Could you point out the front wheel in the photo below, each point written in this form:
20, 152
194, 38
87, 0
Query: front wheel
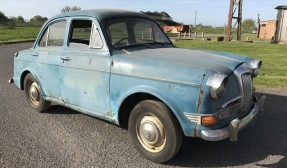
155, 132
34, 94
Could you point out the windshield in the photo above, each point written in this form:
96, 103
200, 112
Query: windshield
130, 32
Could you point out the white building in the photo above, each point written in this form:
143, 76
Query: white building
281, 28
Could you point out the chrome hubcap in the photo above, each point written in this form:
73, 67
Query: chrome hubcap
34, 93
151, 133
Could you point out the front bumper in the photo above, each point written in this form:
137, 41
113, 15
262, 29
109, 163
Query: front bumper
235, 125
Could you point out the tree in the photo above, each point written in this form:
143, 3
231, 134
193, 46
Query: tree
20, 19
38, 18
3, 18
69, 9
248, 25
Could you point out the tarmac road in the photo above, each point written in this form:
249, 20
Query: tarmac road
65, 138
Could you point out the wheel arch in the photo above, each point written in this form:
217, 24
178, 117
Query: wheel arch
132, 100
22, 78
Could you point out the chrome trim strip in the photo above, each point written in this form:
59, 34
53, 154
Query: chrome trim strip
196, 118
164, 80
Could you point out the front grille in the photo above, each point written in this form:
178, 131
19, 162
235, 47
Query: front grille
234, 108
247, 90
243, 74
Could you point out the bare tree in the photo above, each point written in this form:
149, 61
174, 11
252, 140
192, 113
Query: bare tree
69, 9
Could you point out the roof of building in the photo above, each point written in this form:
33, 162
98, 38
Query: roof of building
101, 14
281, 7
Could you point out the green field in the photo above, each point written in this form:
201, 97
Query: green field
18, 33
274, 70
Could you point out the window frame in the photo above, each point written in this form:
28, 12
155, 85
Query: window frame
93, 28
47, 28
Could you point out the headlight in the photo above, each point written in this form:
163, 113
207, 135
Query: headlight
255, 65
217, 85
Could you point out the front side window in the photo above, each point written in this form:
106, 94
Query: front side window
128, 32
54, 35
84, 34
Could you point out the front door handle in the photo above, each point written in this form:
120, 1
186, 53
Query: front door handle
65, 59
34, 54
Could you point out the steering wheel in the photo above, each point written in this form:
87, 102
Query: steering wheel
120, 40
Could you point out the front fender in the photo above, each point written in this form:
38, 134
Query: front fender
179, 98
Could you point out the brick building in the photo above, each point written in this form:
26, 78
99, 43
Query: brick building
267, 29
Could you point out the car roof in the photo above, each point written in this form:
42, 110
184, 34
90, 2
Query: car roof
102, 14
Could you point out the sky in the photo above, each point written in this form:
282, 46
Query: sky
209, 12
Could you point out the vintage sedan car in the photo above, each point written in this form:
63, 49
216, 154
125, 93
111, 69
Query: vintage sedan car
120, 66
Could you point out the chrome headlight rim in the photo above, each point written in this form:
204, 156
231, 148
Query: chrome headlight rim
255, 65
217, 84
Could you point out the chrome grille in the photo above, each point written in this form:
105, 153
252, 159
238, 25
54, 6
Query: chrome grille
234, 108
243, 74
247, 90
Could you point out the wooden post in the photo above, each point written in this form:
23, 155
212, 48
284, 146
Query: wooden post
229, 26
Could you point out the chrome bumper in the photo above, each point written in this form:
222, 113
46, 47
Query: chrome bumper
235, 125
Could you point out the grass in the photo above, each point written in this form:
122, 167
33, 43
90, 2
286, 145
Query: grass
274, 70
18, 33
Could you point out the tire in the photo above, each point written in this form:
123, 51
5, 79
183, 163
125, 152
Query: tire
155, 132
34, 94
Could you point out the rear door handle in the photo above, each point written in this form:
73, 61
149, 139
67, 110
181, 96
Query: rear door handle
65, 59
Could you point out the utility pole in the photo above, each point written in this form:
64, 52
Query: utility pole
195, 18
258, 23
235, 6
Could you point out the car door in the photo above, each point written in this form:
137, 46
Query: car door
47, 54
85, 69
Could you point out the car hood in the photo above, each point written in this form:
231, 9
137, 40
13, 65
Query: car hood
176, 64
203, 59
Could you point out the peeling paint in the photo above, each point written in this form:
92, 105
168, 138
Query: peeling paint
108, 114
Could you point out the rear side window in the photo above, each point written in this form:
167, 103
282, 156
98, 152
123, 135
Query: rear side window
54, 35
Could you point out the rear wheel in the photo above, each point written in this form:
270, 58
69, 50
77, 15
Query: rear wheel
155, 132
34, 94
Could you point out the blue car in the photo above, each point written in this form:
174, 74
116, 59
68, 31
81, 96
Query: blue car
119, 66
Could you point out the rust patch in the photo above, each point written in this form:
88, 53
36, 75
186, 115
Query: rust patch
109, 114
